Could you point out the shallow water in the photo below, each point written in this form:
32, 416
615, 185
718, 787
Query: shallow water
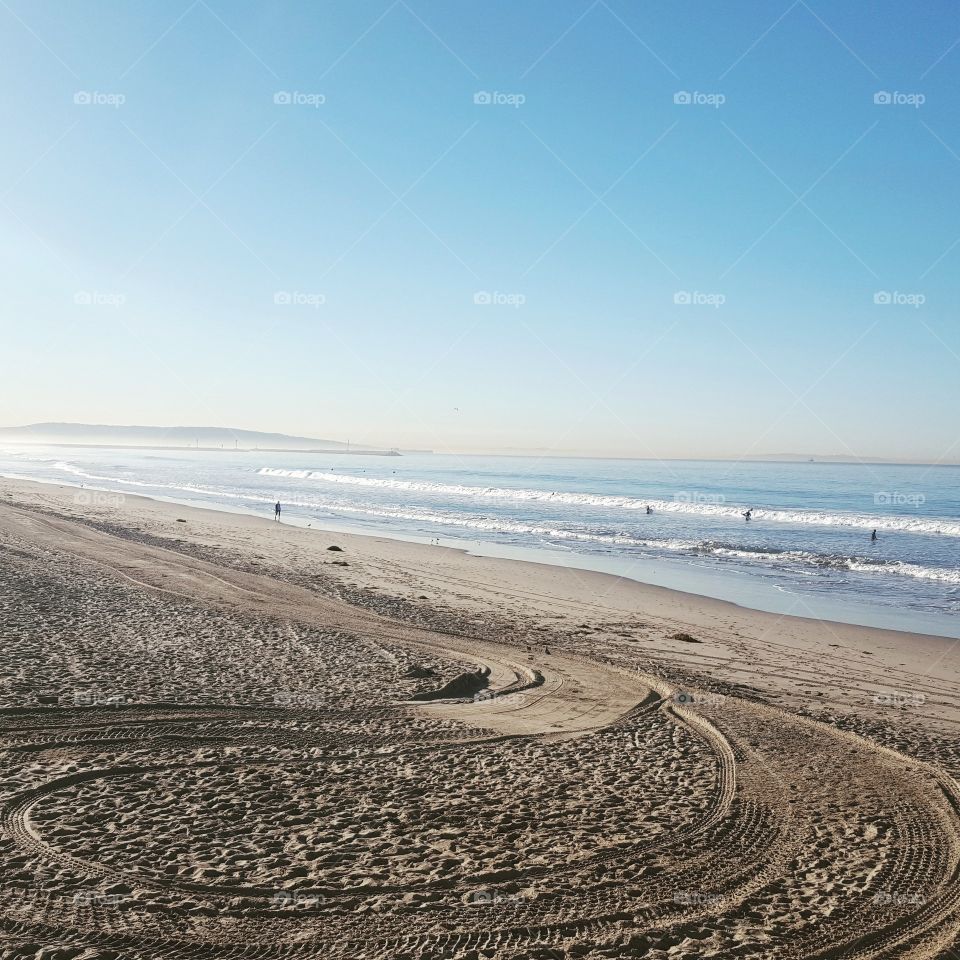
807, 548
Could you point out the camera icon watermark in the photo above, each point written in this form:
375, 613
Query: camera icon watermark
495, 98
886, 98
487, 298
296, 98
697, 298
898, 299
295, 298
697, 98
96, 98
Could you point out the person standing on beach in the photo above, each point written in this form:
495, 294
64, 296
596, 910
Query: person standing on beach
276, 511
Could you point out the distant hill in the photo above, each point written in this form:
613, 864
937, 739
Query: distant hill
134, 436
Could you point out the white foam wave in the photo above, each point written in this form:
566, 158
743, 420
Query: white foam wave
93, 478
856, 564
786, 557
688, 505
77, 472
901, 568
558, 536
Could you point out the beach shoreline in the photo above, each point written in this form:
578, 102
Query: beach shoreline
806, 551
744, 590
531, 589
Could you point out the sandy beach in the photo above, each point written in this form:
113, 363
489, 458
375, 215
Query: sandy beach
223, 737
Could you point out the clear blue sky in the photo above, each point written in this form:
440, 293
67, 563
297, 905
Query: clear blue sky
187, 213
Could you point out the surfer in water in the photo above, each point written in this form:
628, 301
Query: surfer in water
649, 509
747, 515
873, 536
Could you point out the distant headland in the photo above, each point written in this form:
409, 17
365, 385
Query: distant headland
179, 438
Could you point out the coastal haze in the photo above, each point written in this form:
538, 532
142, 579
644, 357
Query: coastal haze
479, 483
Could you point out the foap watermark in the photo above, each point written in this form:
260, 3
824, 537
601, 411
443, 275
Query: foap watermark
895, 98
99, 298
297, 98
899, 698
99, 698
95, 498
96, 898
697, 98
897, 498
887, 899
97, 98
496, 98
500, 699
491, 898
897, 298
298, 700
698, 496
494, 298
697, 298
688, 698
695, 898
296, 898
296, 298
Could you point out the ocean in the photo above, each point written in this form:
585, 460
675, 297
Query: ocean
806, 550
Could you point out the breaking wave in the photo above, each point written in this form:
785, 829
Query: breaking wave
682, 503
678, 546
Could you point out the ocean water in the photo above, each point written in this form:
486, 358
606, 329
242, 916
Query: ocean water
806, 550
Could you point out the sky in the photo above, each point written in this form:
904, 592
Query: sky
672, 229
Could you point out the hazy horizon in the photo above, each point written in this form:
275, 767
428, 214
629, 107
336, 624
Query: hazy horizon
684, 231
335, 442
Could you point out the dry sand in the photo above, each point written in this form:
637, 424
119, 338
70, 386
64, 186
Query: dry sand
211, 747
